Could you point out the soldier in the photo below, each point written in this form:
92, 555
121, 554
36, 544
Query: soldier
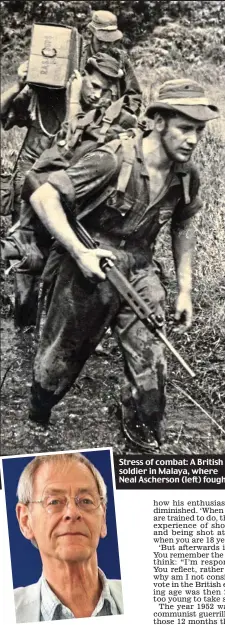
41, 111
162, 184
88, 102
105, 37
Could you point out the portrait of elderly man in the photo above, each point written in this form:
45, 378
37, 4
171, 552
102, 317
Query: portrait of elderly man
61, 509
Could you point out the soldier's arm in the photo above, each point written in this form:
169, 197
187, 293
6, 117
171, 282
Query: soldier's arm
9, 95
132, 88
73, 95
7, 98
65, 188
183, 242
46, 203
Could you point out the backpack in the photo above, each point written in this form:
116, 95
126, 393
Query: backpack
116, 118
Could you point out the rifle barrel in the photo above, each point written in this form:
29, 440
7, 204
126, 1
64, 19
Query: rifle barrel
175, 352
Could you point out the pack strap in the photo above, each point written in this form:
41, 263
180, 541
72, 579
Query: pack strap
186, 187
112, 112
79, 127
128, 156
128, 148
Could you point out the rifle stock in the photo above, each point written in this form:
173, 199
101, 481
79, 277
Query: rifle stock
128, 293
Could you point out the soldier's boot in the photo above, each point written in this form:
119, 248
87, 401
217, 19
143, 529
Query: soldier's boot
143, 431
40, 405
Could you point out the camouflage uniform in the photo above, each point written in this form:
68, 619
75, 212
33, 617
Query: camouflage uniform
80, 311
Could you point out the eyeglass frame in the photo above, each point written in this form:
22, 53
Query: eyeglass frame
76, 499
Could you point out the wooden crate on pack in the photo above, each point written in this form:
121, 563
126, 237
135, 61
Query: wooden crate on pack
54, 53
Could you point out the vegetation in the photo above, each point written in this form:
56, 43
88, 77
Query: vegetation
180, 39
204, 22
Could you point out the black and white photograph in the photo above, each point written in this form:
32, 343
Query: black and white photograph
112, 226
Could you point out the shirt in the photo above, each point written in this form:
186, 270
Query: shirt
132, 217
49, 109
52, 609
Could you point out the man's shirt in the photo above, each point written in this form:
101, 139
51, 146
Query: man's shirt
52, 609
133, 216
49, 109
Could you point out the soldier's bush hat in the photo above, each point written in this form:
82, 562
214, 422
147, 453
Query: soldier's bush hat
104, 26
106, 64
184, 96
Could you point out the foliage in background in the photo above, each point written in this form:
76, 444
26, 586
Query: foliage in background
137, 19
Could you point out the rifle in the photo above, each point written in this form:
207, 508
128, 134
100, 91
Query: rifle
128, 293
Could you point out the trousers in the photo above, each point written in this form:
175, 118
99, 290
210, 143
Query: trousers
77, 317
26, 286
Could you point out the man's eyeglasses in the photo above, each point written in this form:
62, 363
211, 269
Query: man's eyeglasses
52, 503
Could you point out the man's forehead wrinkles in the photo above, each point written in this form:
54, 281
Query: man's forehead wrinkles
54, 490
49, 479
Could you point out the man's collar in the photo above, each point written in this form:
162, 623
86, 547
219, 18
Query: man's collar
50, 603
105, 594
182, 168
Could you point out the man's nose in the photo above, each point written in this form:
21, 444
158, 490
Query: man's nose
96, 95
192, 138
71, 508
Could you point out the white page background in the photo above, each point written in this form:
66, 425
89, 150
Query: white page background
134, 513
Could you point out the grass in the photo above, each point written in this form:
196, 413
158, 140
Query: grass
203, 346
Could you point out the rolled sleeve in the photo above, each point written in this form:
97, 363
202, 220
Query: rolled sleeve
62, 183
86, 177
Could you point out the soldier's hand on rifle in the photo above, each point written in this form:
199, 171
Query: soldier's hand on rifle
183, 312
22, 74
89, 262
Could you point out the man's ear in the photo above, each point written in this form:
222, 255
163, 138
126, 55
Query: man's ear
23, 517
103, 532
159, 122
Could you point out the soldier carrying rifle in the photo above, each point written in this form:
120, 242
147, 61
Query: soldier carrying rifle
122, 202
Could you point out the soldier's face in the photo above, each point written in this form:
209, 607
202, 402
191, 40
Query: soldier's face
93, 89
180, 136
100, 46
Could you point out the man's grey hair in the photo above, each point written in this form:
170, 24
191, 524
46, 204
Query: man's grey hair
26, 481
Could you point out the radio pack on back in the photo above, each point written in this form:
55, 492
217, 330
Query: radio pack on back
54, 53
